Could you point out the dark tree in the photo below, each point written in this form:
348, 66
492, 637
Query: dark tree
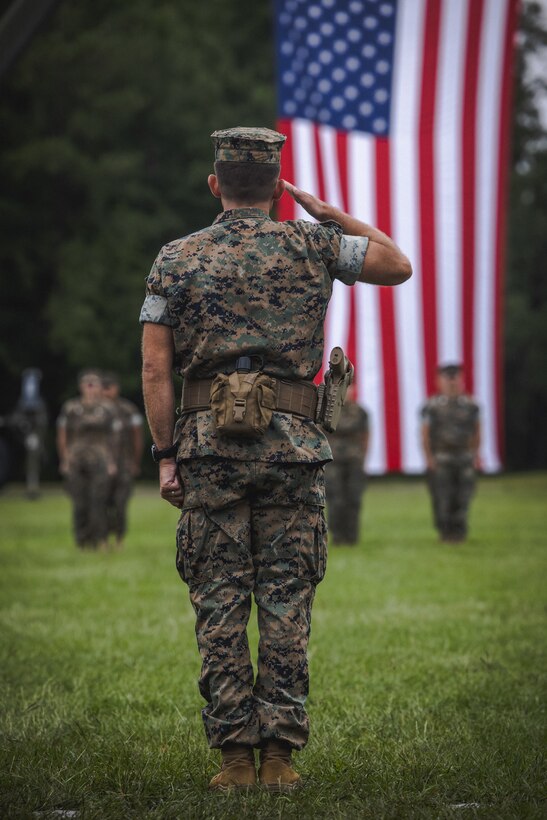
526, 293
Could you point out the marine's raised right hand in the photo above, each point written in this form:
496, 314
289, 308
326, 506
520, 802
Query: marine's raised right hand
312, 204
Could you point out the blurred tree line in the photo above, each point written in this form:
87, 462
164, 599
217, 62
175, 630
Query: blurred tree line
104, 157
526, 282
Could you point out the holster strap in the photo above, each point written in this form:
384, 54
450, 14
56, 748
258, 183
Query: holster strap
297, 397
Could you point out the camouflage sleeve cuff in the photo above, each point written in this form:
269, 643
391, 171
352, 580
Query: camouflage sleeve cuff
351, 257
155, 309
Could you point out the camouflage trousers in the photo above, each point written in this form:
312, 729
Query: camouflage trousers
252, 528
345, 484
451, 484
121, 487
87, 485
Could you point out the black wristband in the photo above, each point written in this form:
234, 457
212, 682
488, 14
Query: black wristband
169, 452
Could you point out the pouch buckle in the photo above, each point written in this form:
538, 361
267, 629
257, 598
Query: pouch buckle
240, 406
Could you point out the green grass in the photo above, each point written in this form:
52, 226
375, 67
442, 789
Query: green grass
427, 668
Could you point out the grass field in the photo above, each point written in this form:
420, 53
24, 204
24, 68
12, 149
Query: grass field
428, 668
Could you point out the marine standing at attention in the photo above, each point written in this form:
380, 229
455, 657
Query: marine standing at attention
237, 309
86, 444
128, 456
345, 477
451, 440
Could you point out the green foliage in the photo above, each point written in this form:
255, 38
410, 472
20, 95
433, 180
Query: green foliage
427, 668
526, 296
105, 119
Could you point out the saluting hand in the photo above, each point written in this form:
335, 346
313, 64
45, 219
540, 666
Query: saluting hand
312, 204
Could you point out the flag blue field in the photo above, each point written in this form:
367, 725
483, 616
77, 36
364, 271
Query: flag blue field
398, 111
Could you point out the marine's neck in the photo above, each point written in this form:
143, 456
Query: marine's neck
229, 205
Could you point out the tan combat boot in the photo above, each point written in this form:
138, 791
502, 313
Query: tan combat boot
237, 770
276, 773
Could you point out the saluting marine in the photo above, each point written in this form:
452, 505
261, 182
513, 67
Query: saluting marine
451, 441
86, 442
237, 309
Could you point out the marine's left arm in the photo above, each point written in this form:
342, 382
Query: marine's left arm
364, 444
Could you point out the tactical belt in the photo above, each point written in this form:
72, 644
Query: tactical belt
297, 397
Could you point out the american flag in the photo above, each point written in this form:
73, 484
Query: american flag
398, 112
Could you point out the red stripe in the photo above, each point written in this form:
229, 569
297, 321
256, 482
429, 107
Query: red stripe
427, 190
387, 316
469, 165
318, 164
342, 154
501, 215
286, 207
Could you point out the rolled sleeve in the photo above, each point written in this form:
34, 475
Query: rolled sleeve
155, 307
352, 254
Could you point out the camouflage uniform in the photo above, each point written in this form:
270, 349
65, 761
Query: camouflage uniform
345, 476
253, 515
452, 424
91, 437
128, 417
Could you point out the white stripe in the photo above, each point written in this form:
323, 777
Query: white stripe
448, 175
327, 140
337, 322
304, 162
362, 204
371, 375
406, 227
488, 146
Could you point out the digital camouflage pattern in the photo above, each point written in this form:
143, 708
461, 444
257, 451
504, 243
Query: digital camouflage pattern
345, 476
452, 425
245, 528
260, 145
253, 519
250, 286
91, 439
128, 417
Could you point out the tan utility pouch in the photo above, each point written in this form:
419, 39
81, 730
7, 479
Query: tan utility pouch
243, 403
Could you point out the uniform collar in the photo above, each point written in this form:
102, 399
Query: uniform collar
241, 213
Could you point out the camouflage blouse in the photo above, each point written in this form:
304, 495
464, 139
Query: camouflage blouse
248, 285
90, 428
452, 423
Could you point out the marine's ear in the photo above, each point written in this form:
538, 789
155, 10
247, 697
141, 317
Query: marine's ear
278, 190
212, 182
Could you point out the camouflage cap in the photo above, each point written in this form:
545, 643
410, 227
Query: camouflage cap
248, 145
451, 369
